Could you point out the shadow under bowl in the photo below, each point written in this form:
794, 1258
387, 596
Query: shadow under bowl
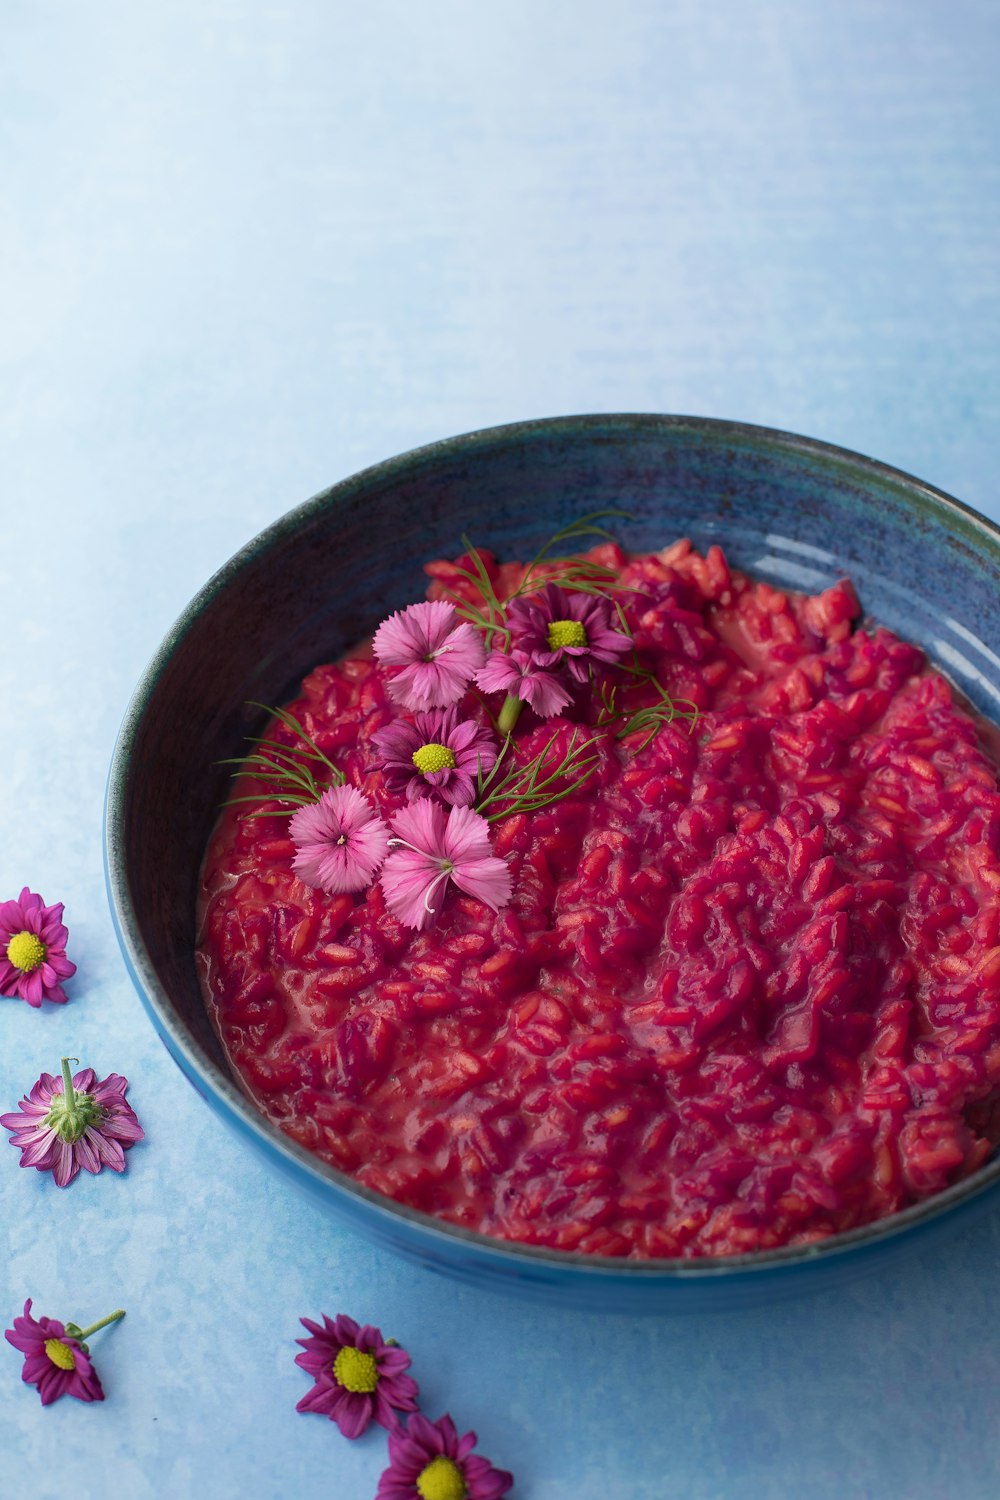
798, 513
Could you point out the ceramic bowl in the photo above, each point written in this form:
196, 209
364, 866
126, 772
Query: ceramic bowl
794, 511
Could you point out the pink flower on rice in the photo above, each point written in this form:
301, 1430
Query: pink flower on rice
566, 628
436, 652
359, 1378
340, 841
54, 1361
519, 676
430, 1459
430, 848
438, 755
33, 958
85, 1123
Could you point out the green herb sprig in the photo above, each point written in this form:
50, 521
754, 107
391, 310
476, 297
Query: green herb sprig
523, 789
287, 770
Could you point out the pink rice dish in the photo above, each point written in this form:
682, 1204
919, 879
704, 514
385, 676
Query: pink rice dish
746, 992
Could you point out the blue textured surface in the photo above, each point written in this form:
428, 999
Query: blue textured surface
249, 248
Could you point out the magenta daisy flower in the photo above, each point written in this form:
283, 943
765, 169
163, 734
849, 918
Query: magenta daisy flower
429, 1461
56, 1359
340, 841
359, 1377
519, 676
33, 950
436, 652
430, 848
85, 1123
438, 755
566, 628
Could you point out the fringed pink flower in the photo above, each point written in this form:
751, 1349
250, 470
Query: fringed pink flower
438, 755
566, 628
78, 1121
519, 676
431, 848
429, 1459
33, 958
56, 1359
340, 841
436, 653
359, 1377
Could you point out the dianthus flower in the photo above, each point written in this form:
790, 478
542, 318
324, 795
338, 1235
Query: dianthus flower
33, 949
437, 653
86, 1123
566, 628
56, 1359
340, 841
438, 755
429, 1461
359, 1377
519, 676
429, 849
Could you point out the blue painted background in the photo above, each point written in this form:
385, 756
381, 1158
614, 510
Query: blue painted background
247, 248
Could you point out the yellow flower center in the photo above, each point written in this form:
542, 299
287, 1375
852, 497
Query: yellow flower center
441, 1480
433, 757
566, 633
26, 951
355, 1371
60, 1354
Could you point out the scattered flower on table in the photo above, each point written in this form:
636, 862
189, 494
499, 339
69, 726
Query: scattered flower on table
340, 841
430, 848
437, 654
84, 1123
565, 628
56, 1358
33, 959
429, 1461
438, 755
359, 1376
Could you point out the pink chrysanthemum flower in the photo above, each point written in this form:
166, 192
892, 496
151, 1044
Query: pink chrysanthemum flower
436, 652
359, 1377
438, 755
519, 676
340, 841
56, 1360
85, 1123
566, 628
429, 849
429, 1461
33, 950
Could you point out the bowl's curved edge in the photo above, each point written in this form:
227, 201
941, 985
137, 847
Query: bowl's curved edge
450, 1248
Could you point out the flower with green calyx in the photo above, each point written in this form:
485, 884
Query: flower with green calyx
359, 1377
56, 1356
86, 1122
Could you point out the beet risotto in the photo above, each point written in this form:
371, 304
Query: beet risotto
688, 945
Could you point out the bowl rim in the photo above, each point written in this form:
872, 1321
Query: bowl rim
227, 1097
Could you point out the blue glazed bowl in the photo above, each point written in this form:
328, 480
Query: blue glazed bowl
796, 512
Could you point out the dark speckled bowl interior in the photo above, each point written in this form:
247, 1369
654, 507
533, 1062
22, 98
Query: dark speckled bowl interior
794, 511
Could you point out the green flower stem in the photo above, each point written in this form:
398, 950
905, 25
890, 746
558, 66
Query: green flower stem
509, 714
111, 1318
69, 1093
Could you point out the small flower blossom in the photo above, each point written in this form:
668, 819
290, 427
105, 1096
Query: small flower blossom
519, 676
438, 755
429, 1461
431, 848
437, 653
566, 628
56, 1359
359, 1377
340, 841
85, 1123
33, 950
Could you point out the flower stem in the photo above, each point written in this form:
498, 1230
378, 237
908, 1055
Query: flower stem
509, 713
111, 1318
69, 1093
